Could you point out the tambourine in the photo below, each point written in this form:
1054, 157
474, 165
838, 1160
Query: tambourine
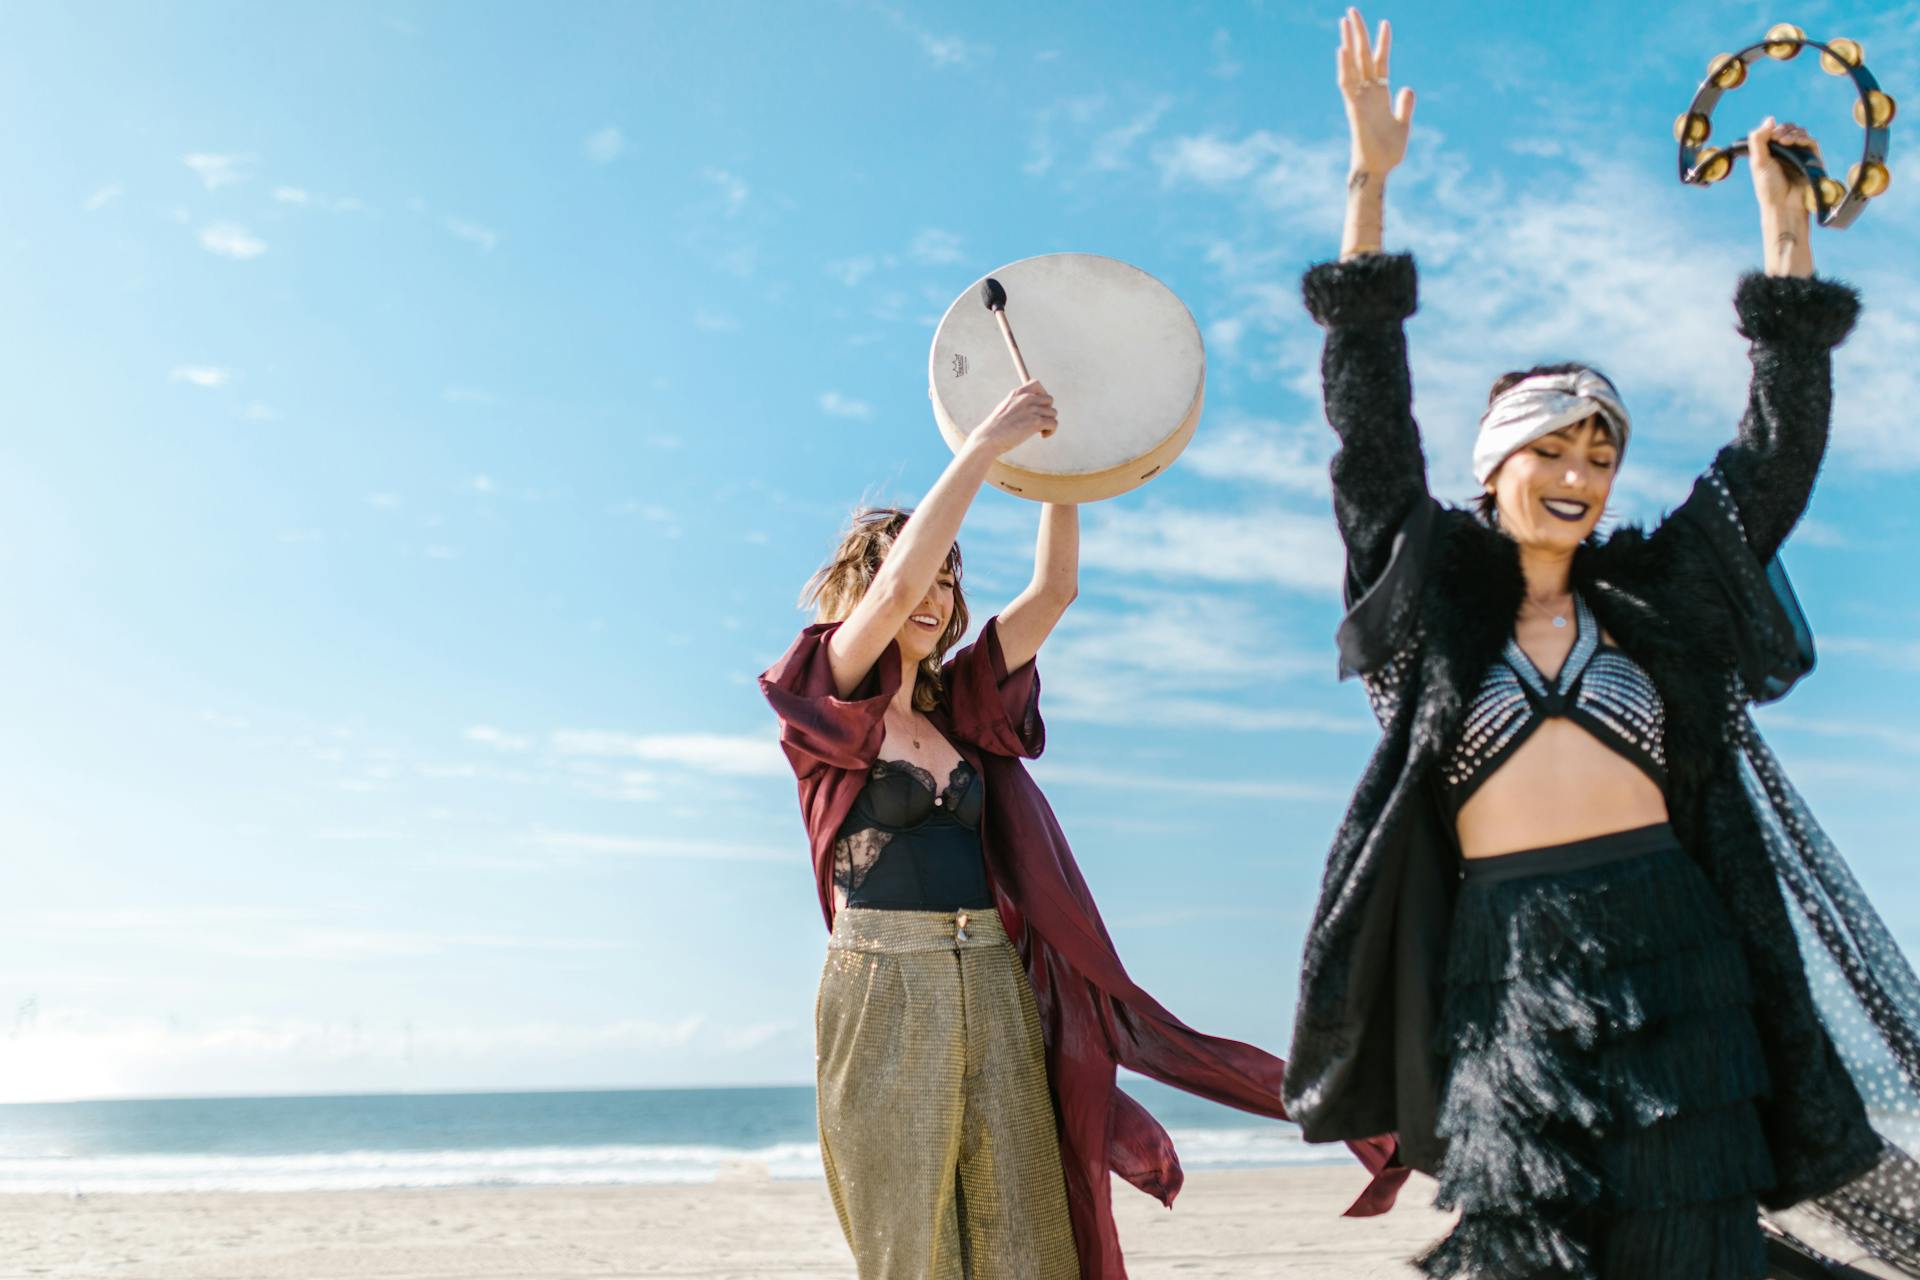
1117, 350
1834, 204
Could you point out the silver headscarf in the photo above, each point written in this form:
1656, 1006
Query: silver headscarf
1539, 406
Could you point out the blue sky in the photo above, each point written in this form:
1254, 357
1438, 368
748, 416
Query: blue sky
419, 421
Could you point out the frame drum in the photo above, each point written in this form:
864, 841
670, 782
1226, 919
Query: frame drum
1119, 353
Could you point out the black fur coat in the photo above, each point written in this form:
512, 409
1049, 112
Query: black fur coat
1434, 594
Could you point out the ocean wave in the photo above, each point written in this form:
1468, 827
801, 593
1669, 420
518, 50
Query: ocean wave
1251, 1148
534, 1166
370, 1170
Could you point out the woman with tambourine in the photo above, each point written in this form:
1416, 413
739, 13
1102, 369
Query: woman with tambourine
972, 1010
1551, 951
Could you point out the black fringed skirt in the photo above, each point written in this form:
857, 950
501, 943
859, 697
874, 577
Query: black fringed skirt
1603, 1068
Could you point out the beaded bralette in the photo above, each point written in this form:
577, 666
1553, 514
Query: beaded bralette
1598, 687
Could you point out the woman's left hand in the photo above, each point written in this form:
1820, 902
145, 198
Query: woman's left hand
1785, 218
1778, 187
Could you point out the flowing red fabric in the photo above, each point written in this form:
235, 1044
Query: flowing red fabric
1093, 1015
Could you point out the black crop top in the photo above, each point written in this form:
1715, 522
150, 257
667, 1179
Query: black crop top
1599, 688
907, 846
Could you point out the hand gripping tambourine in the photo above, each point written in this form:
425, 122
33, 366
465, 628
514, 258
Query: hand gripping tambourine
1118, 352
1835, 205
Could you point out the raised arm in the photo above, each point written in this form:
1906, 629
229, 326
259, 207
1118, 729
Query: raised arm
908, 571
1793, 320
1379, 474
1029, 620
1377, 130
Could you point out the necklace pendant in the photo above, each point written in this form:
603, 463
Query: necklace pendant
1558, 621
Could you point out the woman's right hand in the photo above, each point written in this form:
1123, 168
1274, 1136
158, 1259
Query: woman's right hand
1377, 126
1026, 412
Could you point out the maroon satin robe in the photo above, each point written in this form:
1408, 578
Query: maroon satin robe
1092, 1014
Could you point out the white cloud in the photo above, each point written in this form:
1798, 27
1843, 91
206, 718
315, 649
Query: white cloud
1235, 715
733, 190
605, 145
200, 375
1900, 654
1210, 161
714, 320
666, 847
1264, 452
260, 411
1868, 731
942, 50
473, 233
840, 406
741, 261
498, 739
1224, 66
1272, 546
1177, 639
851, 271
732, 755
934, 247
384, 501
81, 1054
1114, 148
292, 195
949, 50
482, 484
277, 932
103, 197
1224, 788
1183, 657
216, 170
231, 240
467, 395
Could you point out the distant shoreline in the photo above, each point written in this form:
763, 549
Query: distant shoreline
557, 1138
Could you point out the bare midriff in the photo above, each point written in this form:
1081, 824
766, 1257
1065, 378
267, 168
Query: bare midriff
1561, 785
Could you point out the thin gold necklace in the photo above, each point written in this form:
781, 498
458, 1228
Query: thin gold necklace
912, 730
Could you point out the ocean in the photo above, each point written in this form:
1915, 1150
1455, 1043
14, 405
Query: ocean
585, 1138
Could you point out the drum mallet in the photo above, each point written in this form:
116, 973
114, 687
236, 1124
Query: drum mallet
995, 296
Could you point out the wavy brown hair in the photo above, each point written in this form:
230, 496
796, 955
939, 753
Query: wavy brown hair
840, 584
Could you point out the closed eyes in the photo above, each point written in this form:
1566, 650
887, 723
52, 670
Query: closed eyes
1605, 464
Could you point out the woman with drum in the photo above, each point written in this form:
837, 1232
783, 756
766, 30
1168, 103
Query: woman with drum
1551, 952
972, 1009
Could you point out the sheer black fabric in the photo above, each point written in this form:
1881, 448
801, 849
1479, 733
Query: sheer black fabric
1869, 1000
910, 845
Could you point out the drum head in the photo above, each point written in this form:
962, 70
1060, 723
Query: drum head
1119, 352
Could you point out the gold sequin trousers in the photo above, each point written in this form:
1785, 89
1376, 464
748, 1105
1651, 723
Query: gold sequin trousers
936, 1125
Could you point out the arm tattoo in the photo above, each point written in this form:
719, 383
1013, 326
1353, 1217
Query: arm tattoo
1357, 183
1785, 241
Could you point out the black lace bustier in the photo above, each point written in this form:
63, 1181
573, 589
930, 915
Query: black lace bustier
1599, 688
911, 846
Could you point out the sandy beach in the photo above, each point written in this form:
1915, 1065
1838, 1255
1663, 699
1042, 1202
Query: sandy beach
1270, 1222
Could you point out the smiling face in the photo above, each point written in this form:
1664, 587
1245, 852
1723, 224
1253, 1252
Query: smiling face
937, 622
921, 635
1551, 493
